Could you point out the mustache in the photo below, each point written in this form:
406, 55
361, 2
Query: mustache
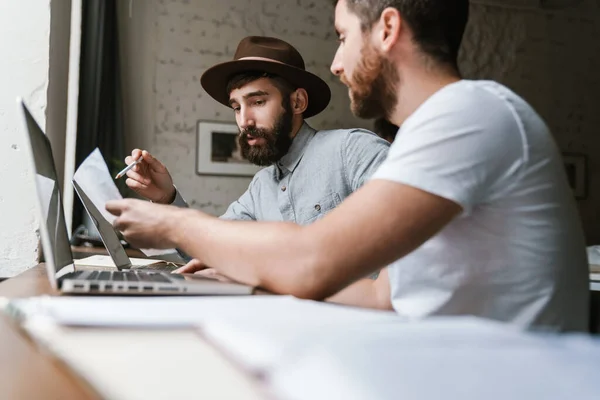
344, 80
254, 132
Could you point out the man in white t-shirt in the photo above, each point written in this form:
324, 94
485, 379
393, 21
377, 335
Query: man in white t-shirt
471, 211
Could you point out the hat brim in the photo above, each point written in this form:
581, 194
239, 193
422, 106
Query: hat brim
216, 78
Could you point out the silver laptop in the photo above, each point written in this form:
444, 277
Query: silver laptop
111, 240
57, 249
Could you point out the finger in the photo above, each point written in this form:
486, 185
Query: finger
136, 176
186, 269
135, 154
135, 185
153, 163
207, 272
116, 207
191, 267
130, 160
118, 225
213, 274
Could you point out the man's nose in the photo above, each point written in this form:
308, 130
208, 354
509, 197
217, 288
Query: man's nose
336, 64
246, 120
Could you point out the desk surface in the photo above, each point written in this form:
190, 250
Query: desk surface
27, 372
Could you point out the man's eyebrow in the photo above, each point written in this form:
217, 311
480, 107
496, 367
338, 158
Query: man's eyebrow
255, 94
249, 95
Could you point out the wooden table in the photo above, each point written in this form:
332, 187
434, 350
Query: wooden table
29, 372
25, 371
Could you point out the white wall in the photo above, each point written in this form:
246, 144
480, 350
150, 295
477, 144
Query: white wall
168, 44
25, 49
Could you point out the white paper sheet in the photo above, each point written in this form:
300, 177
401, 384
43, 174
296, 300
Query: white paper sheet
95, 180
442, 361
260, 345
188, 311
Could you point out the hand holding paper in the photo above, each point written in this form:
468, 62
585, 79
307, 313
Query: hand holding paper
145, 224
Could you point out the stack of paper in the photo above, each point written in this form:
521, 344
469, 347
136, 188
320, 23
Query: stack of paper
161, 312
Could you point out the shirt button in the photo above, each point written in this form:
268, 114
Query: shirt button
318, 207
283, 188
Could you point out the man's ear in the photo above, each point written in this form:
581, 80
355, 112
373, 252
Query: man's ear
388, 28
299, 101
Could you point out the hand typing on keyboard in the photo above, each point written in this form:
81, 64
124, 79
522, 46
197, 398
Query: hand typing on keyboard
213, 274
194, 265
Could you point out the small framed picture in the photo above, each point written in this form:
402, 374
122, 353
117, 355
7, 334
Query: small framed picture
575, 167
218, 151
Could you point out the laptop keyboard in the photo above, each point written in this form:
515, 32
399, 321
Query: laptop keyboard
161, 267
126, 276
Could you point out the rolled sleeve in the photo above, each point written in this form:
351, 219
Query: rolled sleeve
363, 153
179, 200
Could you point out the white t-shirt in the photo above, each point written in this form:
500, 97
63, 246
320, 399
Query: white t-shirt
517, 251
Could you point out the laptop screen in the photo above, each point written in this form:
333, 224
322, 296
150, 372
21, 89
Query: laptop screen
49, 195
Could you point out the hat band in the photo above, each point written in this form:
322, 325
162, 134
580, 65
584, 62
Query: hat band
261, 59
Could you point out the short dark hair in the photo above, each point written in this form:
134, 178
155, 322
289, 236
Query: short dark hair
244, 78
437, 25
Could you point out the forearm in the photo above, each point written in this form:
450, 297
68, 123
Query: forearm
361, 293
255, 253
366, 293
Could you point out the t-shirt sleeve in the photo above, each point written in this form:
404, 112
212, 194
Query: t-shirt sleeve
465, 150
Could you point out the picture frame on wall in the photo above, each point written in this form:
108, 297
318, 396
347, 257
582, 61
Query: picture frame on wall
218, 152
575, 167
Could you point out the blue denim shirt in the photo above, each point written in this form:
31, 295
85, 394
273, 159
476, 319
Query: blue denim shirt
319, 171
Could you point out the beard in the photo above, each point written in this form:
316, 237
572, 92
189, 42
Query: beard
277, 140
373, 88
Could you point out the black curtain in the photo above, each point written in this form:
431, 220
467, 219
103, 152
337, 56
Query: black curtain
99, 120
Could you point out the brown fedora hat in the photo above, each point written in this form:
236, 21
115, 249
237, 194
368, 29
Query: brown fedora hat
273, 56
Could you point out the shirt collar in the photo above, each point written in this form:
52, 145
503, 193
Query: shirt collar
290, 161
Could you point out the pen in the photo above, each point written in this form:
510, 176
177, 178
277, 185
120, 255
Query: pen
127, 168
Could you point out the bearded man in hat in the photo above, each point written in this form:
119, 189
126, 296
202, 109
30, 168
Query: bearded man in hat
308, 172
